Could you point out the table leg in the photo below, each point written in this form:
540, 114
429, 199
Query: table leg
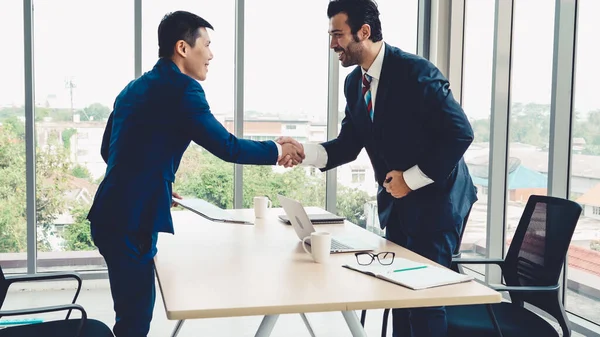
308, 326
266, 326
353, 322
177, 328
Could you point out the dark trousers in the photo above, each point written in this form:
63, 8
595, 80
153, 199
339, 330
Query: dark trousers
438, 247
129, 259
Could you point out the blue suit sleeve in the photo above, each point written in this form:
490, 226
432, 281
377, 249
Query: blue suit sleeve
348, 144
451, 131
106, 139
205, 130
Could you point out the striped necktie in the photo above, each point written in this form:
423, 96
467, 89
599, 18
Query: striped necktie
366, 91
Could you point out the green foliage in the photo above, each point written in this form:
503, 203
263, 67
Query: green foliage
95, 111
66, 137
530, 124
80, 171
51, 184
77, 235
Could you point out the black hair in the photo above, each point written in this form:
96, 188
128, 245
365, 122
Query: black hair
179, 25
359, 12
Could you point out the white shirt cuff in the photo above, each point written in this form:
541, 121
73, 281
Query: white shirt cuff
278, 150
415, 178
315, 155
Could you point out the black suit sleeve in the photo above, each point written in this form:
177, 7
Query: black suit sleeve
348, 144
449, 127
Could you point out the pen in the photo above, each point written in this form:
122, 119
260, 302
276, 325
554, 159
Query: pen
412, 268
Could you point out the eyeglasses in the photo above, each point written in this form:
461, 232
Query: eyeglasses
366, 258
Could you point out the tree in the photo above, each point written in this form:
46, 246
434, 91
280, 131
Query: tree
77, 235
51, 168
96, 112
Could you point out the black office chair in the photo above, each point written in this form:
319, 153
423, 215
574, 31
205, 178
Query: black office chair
531, 271
79, 327
455, 255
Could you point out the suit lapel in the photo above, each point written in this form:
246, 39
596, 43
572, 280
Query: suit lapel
382, 91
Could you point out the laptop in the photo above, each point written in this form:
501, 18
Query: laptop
318, 218
304, 227
209, 211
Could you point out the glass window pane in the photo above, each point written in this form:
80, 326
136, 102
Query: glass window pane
13, 213
201, 175
81, 64
476, 102
583, 294
356, 197
285, 92
529, 135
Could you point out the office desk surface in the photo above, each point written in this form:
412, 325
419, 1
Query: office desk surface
222, 270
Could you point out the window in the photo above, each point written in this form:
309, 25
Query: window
584, 254
358, 175
13, 215
74, 92
476, 102
530, 94
285, 80
200, 174
399, 27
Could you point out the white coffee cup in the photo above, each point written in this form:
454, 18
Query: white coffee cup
320, 244
260, 206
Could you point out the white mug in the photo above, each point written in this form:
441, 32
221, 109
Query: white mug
260, 206
320, 244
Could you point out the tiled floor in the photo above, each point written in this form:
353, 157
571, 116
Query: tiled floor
95, 298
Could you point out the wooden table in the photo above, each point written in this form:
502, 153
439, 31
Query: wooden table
211, 270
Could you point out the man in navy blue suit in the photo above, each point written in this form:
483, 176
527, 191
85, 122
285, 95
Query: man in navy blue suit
399, 107
154, 120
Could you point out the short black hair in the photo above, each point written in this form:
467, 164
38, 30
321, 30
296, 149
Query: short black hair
179, 25
359, 12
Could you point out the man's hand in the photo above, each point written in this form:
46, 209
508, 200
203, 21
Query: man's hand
395, 185
292, 152
175, 195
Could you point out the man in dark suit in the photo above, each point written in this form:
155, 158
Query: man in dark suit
154, 120
400, 109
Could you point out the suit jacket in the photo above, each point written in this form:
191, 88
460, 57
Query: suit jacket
416, 122
154, 120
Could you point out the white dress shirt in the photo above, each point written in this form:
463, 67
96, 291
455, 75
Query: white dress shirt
316, 155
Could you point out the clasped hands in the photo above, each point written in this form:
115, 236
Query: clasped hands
292, 152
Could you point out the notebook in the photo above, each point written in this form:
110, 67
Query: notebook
318, 219
411, 274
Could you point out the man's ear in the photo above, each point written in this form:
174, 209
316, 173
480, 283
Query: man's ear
364, 32
181, 48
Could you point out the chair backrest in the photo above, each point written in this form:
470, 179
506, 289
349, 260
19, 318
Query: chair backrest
3, 287
538, 249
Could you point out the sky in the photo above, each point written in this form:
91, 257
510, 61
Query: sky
286, 51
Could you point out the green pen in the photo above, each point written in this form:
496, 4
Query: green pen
412, 268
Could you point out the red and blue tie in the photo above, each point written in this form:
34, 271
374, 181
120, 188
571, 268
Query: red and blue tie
366, 91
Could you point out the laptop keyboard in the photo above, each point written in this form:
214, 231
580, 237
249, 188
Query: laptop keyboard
338, 245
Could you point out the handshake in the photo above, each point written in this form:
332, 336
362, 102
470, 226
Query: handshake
292, 152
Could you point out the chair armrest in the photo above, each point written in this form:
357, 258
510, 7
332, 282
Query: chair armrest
43, 277
42, 310
499, 262
524, 289
46, 277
